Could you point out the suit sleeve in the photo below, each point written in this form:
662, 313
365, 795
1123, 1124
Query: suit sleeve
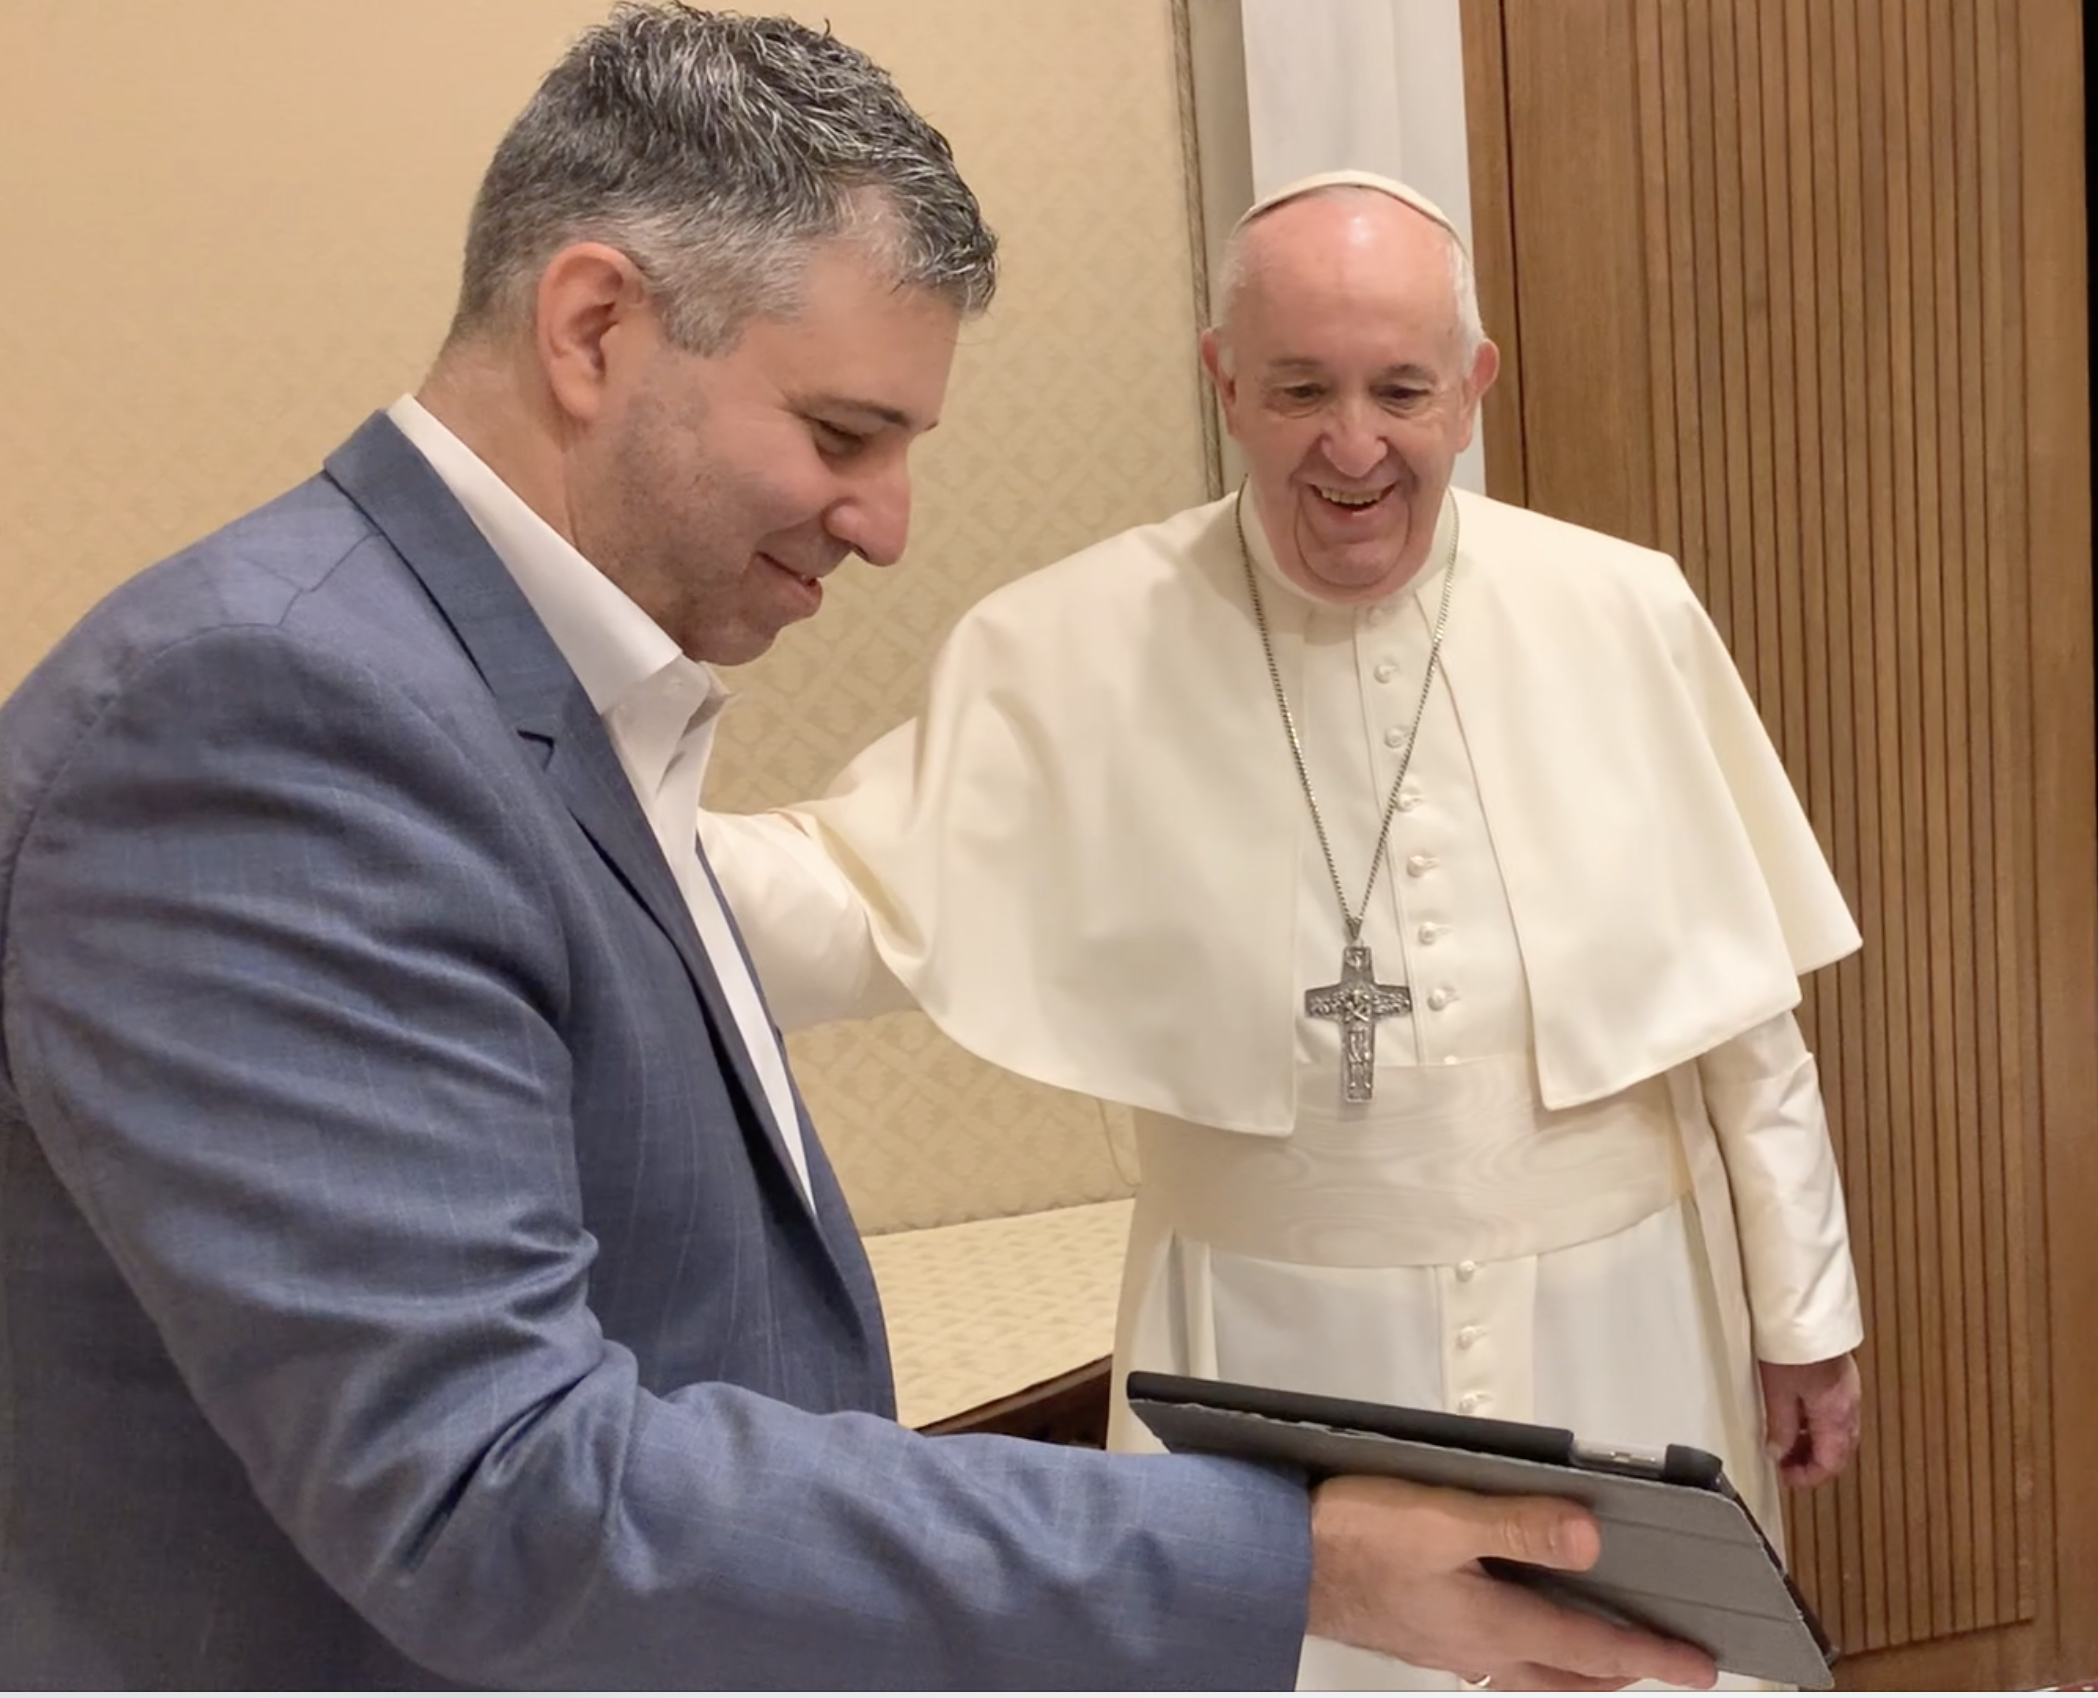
1764, 1097
286, 1015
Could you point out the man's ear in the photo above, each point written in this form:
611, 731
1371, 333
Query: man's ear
1221, 379
590, 305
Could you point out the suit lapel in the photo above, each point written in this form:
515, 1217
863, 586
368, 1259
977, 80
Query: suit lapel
397, 489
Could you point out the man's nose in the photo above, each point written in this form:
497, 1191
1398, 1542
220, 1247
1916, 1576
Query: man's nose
874, 521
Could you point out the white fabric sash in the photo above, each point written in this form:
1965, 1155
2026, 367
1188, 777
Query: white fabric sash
1451, 1163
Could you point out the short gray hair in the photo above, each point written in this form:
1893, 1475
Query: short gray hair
714, 151
1464, 284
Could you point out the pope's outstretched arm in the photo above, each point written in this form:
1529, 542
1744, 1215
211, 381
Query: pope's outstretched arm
802, 920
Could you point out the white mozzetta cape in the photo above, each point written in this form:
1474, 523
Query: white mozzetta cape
1083, 860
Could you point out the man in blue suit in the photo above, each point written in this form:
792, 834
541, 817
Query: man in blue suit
418, 1267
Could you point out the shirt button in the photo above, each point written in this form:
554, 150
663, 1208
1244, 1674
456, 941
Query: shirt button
1395, 738
1440, 998
1472, 1402
1408, 801
1387, 670
1467, 1337
1430, 931
1419, 864
1465, 1270
1377, 615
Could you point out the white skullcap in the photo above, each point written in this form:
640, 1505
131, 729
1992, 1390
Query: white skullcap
1350, 180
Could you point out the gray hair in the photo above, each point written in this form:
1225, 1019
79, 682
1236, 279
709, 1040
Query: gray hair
1232, 272
715, 151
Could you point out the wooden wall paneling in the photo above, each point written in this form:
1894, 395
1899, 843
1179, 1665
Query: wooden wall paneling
1992, 1179
1822, 62
2002, 1660
2052, 261
1664, 371
2008, 386
1815, 274
1838, 1556
1675, 298
1865, 281
1799, 639
1952, 890
1776, 444
1734, 548
1889, 543
1581, 163
1923, 767
1950, 208
1956, 1104
1673, 294
1705, 557
2011, 730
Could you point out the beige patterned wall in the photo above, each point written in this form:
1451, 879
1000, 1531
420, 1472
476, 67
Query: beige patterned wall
231, 229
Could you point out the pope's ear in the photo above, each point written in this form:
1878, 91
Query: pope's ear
1217, 365
589, 306
1486, 366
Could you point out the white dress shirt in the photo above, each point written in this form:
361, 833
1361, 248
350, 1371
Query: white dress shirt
659, 707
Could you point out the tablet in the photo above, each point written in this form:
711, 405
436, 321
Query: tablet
1681, 1554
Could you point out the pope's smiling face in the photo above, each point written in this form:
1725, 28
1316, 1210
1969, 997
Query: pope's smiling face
1342, 369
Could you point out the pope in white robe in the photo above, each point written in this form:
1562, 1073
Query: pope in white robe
1591, 1183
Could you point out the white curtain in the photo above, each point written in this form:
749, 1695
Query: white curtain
1377, 85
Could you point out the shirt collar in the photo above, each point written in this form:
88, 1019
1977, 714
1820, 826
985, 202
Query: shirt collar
612, 646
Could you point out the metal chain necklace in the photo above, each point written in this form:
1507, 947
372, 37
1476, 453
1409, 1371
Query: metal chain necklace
1356, 1000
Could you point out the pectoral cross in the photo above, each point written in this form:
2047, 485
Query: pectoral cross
1358, 1002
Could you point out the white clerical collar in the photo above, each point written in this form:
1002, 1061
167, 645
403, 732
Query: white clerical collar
1428, 580
612, 646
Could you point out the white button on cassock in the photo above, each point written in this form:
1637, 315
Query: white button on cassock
1430, 931
1386, 671
1419, 864
1409, 800
1465, 1270
1467, 1337
1440, 998
1395, 738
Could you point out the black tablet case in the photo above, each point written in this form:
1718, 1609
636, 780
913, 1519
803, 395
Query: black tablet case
1680, 1552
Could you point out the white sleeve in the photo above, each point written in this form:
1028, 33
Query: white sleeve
1764, 1097
802, 921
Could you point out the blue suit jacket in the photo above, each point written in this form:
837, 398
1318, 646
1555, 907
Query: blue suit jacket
403, 1282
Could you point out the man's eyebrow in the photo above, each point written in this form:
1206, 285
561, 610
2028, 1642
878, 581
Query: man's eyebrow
879, 410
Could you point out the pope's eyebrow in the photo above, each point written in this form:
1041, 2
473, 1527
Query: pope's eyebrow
1290, 365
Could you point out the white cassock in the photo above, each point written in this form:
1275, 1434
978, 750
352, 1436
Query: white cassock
1594, 1183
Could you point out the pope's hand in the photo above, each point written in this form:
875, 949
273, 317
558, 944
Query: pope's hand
1395, 1568
1811, 1413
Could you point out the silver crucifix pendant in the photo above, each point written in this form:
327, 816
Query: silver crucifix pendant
1358, 1002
